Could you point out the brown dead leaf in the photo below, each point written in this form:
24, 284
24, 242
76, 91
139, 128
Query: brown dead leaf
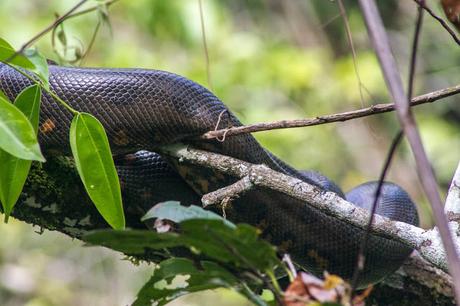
308, 290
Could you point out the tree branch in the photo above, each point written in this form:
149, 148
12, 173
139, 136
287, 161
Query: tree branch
229, 193
416, 282
426, 242
368, 111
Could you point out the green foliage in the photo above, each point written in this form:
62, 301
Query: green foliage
17, 135
14, 170
224, 254
93, 158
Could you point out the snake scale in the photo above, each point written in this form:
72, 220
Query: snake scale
142, 109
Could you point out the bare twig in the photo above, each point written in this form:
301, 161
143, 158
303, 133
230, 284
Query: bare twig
90, 9
227, 193
290, 265
444, 24
296, 123
343, 13
396, 141
91, 43
205, 44
330, 20
57, 22
381, 45
69, 14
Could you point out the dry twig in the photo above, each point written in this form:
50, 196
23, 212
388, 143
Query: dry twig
339, 117
423, 5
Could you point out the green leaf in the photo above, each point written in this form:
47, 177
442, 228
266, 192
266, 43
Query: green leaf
62, 36
28, 102
176, 277
6, 53
93, 158
173, 211
17, 136
14, 171
41, 65
133, 241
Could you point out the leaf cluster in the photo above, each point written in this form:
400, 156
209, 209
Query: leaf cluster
221, 254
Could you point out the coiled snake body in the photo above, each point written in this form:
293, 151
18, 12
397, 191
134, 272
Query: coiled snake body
141, 109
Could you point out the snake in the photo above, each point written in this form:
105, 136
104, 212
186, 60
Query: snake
143, 109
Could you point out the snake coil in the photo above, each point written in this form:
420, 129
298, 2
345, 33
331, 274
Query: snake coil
141, 109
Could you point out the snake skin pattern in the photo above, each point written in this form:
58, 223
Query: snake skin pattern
141, 109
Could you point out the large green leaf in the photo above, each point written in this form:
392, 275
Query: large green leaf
6, 53
173, 211
17, 136
14, 171
41, 65
93, 158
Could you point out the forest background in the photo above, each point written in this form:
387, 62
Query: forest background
268, 60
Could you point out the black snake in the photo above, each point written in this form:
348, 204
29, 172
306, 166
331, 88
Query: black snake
142, 109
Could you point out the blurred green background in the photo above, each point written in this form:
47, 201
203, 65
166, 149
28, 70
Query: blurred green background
269, 60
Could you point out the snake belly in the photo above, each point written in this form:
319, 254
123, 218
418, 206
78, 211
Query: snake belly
143, 109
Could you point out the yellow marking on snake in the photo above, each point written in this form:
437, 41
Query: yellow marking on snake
262, 225
121, 139
285, 245
320, 261
47, 126
203, 185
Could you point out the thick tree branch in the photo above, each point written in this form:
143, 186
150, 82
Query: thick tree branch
426, 242
417, 282
364, 112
